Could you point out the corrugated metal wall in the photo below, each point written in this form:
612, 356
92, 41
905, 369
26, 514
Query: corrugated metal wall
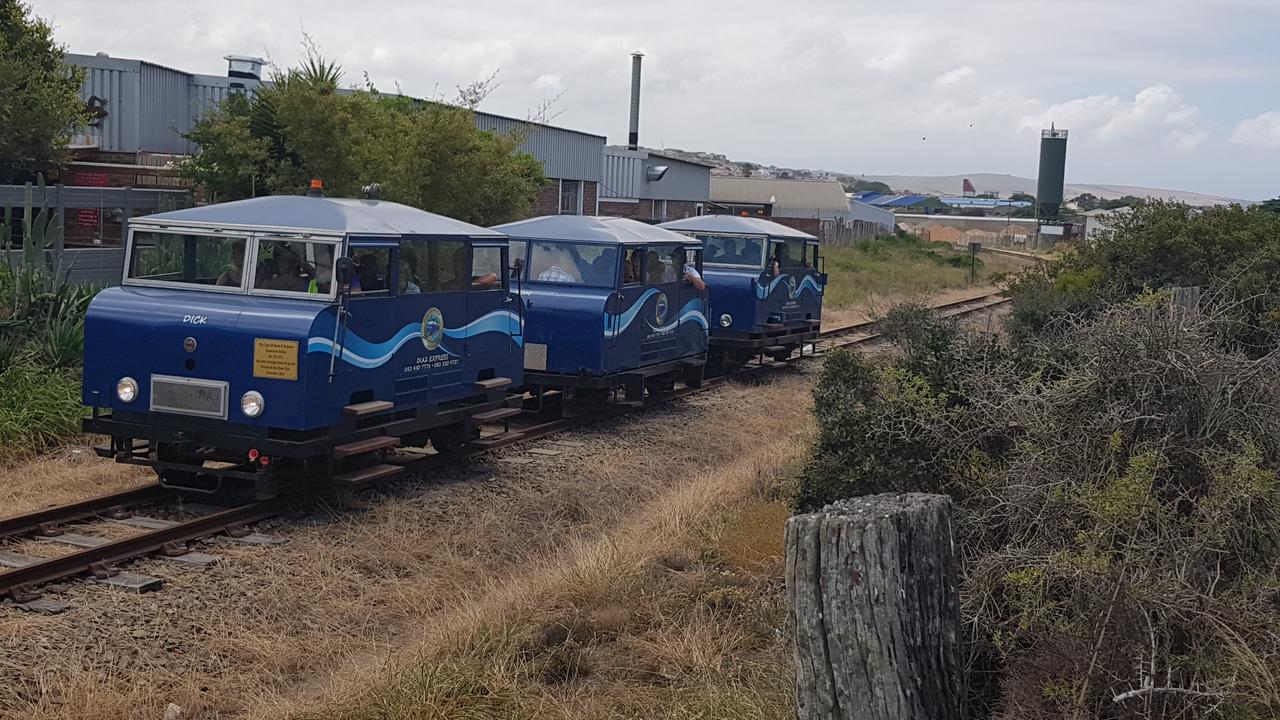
621, 176
683, 181
116, 83
624, 177
564, 154
166, 109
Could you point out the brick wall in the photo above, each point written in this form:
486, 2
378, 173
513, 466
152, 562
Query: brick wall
589, 191
813, 226
643, 210
548, 200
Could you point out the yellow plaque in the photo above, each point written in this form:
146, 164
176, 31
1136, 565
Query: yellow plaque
275, 359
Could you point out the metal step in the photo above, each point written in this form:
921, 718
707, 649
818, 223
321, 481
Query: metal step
368, 408
367, 475
495, 415
499, 439
360, 447
491, 384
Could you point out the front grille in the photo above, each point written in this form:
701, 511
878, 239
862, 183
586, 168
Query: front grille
189, 396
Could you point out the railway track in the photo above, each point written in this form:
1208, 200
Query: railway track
100, 557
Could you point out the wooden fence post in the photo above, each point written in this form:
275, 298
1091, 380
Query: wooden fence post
876, 610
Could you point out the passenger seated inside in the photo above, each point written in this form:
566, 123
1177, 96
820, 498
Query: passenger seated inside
654, 271
285, 270
372, 277
481, 279
602, 270
409, 274
233, 276
324, 270
687, 268
631, 271
552, 264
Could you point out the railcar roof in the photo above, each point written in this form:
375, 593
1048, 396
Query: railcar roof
320, 215
589, 228
736, 224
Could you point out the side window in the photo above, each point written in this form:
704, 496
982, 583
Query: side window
373, 269
486, 268
633, 271
433, 266
515, 255
663, 264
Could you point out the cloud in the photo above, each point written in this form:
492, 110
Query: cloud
1154, 112
1261, 131
955, 75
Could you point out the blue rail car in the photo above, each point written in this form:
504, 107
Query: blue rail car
279, 336
766, 286
610, 303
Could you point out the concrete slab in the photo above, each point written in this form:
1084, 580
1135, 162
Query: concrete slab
516, 460
544, 451
77, 540
147, 523
259, 539
194, 560
44, 606
133, 582
14, 560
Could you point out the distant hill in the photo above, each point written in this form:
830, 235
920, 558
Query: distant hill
1006, 184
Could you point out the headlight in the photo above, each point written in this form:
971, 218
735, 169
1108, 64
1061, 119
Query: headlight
252, 404
726, 320
127, 389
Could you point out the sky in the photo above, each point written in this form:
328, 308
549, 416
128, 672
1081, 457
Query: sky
1179, 94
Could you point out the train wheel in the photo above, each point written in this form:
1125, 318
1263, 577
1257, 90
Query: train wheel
783, 354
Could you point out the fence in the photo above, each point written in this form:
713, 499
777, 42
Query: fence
847, 232
100, 211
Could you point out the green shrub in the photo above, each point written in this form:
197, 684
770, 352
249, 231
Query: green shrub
39, 407
1117, 500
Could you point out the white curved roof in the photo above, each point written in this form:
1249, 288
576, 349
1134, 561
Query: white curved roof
321, 215
736, 224
590, 228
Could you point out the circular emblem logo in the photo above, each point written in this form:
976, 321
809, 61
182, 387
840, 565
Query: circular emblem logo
660, 310
432, 328
791, 284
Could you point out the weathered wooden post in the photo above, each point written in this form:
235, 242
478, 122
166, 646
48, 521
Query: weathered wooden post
876, 610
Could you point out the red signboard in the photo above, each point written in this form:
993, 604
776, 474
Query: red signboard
84, 178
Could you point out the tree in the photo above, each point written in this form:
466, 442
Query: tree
1085, 201
1023, 197
859, 185
426, 154
40, 103
1272, 205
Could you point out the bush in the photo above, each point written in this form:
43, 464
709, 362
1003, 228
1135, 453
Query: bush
1117, 502
38, 407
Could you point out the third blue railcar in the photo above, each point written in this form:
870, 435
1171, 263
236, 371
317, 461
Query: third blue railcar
765, 285
609, 303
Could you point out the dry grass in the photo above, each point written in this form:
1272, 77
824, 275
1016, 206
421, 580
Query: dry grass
454, 580
72, 473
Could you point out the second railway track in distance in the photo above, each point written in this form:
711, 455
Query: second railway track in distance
101, 556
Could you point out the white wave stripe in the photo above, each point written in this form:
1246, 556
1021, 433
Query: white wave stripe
326, 345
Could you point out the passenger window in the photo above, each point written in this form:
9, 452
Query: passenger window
633, 270
663, 264
372, 270
486, 268
433, 266
194, 259
293, 266
515, 253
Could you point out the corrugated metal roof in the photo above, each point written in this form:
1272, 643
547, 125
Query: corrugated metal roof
819, 195
587, 228
325, 215
735, 224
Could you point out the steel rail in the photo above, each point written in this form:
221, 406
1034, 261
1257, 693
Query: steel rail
33, 521
18, 582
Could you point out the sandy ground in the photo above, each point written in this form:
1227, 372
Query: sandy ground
350, 588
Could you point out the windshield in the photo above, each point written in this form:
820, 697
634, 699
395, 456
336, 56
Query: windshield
168, 257
578, 263
304, 267
733, 250
790, 253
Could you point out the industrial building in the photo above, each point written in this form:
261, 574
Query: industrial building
802, 204
647, 185
140, 111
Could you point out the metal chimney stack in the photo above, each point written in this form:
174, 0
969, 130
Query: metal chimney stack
633, 137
